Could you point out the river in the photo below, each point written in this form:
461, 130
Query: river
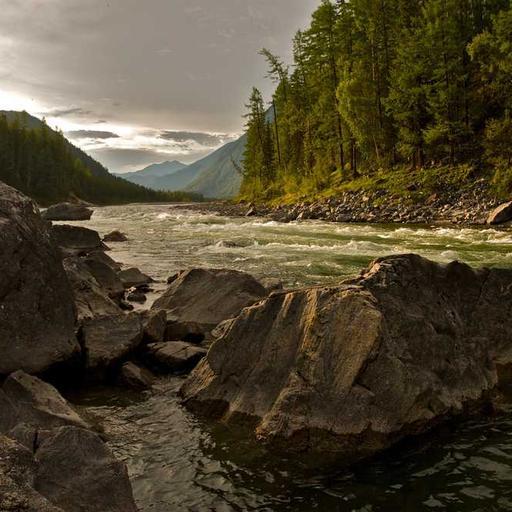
177, 464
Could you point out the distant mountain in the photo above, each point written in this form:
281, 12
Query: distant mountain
218, 175
214, 176
148, 176
43, 164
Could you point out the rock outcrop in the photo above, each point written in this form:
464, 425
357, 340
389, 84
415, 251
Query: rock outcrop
90, 298
29, 401
133, 278
37, 314
67, 211
352, 369
199, 299
76, 240
108, 340
501, 214
50, 460
76, 471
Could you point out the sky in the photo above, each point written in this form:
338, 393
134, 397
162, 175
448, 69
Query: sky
134, 82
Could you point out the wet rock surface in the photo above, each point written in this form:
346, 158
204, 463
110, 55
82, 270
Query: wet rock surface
67, 212
91, 479
76, 240
352, 369
108, 341
34, 403
199, 299
37, 315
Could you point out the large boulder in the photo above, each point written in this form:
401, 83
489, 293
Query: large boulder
77, 472
29, 401
90, 298
501, 214
108, 341
67, 211
17, 471
76, 240
199, 299
37, 313
352, 369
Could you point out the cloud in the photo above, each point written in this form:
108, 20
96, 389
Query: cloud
210, 140
91, 134
65, 112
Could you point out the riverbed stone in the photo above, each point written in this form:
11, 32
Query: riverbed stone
106, 277
108, 341
78, 472
133, 277
501, 214
135, 377
17, 469
67, 212
91, 300
35, 403
154, 324
352, 369
76, 240
202, 298
175, 357
37, 313
115, 236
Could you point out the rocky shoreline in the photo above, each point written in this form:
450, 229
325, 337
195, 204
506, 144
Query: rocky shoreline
345, 371
474, 207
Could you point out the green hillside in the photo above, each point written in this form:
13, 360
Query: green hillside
378, 87
41, 163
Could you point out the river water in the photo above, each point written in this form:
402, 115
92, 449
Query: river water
176, 463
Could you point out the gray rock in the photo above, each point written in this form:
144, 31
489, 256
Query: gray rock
352, 369
135, 377
35, 403
175, 357
77, 472
154, 324
115, 236
17, 470
90, 299
67, 211
106, 277
133, 277
203, 298
108, 341
102, 257
501, 214
76, 240
37, 314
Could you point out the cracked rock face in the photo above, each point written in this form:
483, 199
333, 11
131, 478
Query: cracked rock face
352, 369
37, 313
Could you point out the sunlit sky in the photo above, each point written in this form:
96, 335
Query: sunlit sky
136, 82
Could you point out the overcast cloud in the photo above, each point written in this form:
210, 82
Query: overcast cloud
167, 78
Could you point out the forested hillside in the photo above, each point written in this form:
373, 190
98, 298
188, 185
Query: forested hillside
42, 164
383, 86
